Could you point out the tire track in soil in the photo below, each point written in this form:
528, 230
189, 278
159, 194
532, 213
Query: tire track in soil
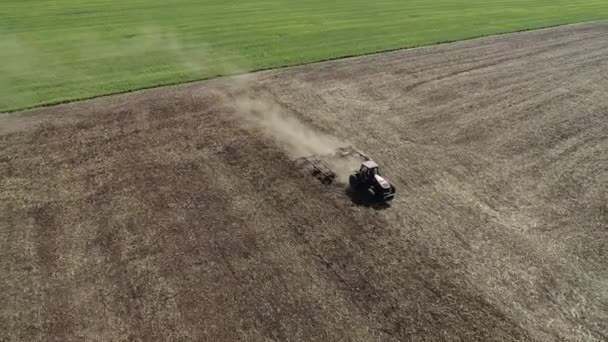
57, 320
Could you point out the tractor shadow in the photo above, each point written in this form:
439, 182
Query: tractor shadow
363, 199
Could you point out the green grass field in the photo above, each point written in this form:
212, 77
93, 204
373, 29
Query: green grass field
53, 51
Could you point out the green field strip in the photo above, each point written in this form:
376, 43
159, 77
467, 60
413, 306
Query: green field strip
58, 51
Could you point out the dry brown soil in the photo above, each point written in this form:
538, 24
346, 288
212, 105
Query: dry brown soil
157, 215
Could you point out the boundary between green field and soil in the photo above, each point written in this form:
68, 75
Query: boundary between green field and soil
278, 67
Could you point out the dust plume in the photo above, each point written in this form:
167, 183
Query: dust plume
298, 139
343, 167
282, 126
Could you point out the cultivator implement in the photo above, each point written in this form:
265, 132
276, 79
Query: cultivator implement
318, 168
318, 165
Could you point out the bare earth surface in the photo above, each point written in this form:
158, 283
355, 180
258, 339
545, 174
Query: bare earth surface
159, 215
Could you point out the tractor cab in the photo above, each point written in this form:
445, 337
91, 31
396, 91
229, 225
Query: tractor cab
368, 170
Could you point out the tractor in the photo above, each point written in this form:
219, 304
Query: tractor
366, 184
369, 181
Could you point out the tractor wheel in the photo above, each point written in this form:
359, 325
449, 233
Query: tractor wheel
353, 181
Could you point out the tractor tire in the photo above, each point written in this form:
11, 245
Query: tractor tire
353, 181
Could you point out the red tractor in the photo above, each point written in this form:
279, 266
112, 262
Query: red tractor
369, 181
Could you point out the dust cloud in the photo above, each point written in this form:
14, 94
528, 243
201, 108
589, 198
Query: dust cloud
277, 123
298, 139
343, 167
